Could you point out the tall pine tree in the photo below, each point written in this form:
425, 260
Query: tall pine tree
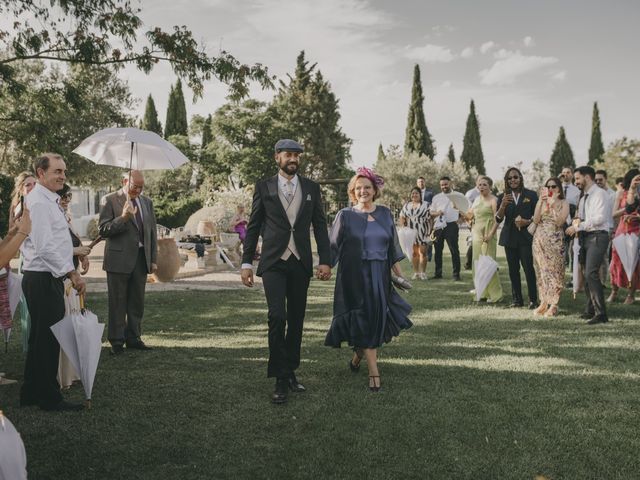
176, 121
381, 155
207, 134
471, 147
562, 155
417, 137
451, 155
596, 150
150, 121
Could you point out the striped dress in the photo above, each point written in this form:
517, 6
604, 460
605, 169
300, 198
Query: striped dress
418, 219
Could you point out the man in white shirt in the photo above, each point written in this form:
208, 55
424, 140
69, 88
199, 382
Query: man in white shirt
48, 260
446, 228
592, 225
571, 192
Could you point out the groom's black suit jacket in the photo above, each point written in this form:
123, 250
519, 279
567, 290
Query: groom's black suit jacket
269, 219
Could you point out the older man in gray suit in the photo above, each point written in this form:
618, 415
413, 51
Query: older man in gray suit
128, 224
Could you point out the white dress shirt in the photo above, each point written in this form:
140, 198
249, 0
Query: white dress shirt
48, 248
472, 195
441, 202
593, 210
571, 193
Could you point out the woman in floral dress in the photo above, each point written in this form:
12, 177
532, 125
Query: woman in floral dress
548, 246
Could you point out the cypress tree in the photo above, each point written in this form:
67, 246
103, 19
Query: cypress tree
150, 121
176, 122
596, 150
451, 156
207, 135
417, 137
471, 147
562, 155
381, 156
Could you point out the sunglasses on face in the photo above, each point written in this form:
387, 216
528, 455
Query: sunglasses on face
513, 177
67, 196
551, 186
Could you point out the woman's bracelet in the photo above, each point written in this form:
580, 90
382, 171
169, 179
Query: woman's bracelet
25, 234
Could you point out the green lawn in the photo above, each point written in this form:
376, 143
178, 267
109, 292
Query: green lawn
470, 392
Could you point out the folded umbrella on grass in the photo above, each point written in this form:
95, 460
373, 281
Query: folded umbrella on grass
485, 268
80, 337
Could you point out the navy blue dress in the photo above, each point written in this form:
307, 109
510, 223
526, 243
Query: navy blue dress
367, 310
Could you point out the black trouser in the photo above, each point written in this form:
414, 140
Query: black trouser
595, 247
45, 300
469, 258
285, 287
450, 235
516, 256
126, 302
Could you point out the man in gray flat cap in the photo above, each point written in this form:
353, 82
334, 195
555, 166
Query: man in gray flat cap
285, 206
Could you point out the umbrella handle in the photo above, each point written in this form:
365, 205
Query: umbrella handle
81, 299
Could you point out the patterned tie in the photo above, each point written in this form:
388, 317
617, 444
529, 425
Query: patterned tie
289, 191
136, 204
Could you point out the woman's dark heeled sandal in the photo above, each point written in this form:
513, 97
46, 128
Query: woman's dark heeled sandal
354, 368
374, 387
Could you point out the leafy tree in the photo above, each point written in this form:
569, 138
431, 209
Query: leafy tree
596, 149
56, 111
381, 154
417, 137
150, 120
207, 134
107, 33
306, 109
400, 171
176, 121
451, 155
536, 176
622, 155
562, 155
472, 156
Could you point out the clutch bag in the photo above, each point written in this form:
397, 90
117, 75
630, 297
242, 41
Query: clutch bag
400, 282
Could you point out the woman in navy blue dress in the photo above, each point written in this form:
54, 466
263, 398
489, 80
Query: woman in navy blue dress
367, 310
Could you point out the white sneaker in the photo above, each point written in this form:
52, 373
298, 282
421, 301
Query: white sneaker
415, 276
423, 276
473, 292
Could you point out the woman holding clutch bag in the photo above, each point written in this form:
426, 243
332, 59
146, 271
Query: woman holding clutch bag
549, 217
367, 310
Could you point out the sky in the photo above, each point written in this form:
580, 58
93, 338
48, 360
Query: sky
530, 66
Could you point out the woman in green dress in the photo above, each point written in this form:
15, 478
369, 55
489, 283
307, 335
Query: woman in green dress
483, 233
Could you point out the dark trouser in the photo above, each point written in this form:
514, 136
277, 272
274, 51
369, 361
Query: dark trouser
126, 302
516, 256
285, 287
595, 248
469, 258
45, 299
450, 235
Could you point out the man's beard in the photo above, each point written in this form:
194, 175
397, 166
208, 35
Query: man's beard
289, 168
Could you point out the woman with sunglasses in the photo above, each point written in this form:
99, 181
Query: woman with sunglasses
548, 246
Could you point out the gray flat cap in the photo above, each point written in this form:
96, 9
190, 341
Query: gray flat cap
286, 145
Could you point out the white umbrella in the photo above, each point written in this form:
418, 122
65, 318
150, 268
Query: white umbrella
460, 202
13, 458
80, 336
407, 237
485, 268
627, 247
131, 148
15, 291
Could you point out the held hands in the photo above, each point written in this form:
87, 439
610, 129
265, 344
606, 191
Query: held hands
323, 272
246, 274
81, 251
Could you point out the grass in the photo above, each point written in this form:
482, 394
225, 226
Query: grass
470, 392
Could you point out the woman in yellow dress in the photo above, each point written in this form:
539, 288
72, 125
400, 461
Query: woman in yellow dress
483, 233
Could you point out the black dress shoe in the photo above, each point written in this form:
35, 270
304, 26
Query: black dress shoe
139, 345
279, 395
64, 406
587, 316
598, 319
516, 305
116, 350
436, 277
294, 385
456, 278
533, 305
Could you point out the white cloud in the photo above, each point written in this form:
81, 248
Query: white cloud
439, 30
503, 53
429, 54
486, 46
446, 84
560, 76
511, 65
529, 41
467, 52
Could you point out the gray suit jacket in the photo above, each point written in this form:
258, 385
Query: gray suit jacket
121, 250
